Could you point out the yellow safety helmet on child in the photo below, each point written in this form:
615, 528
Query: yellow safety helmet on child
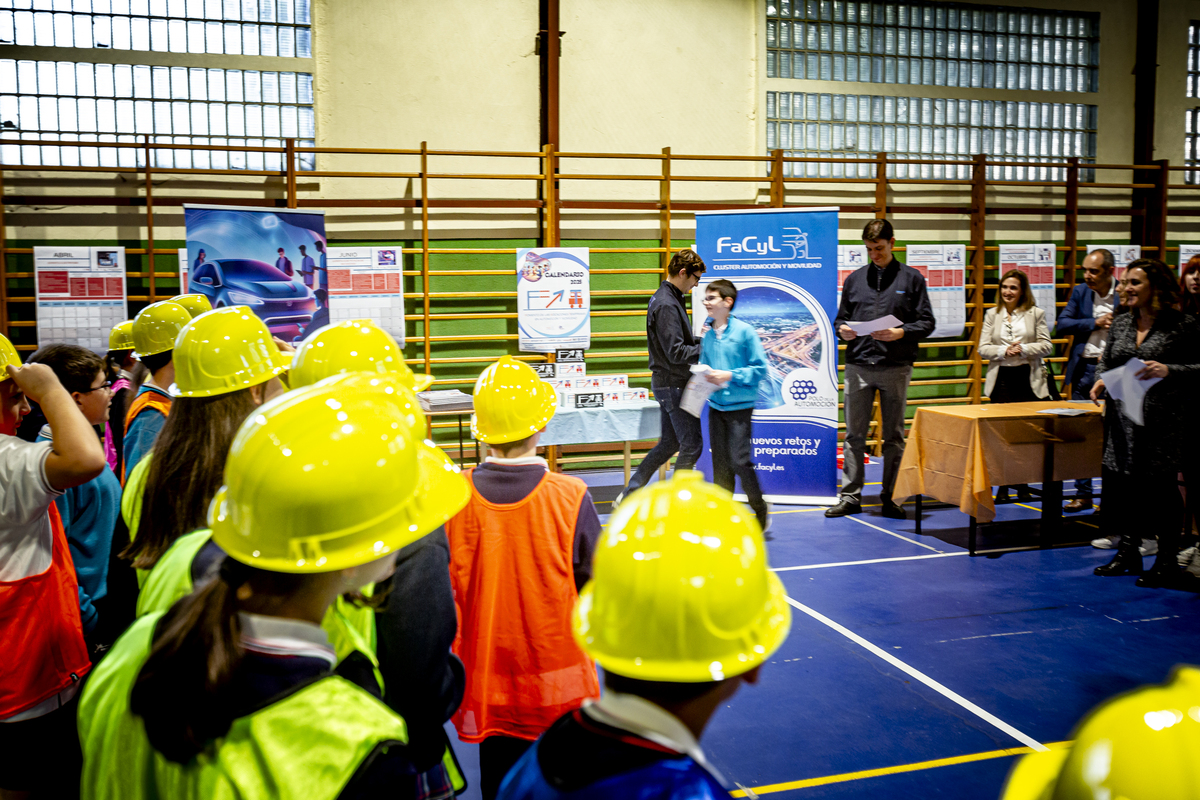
8, 355
680, 587
511, 402
121, 336
196, 304
156, 327
355, 345
223, 351
1140, 744
333, 476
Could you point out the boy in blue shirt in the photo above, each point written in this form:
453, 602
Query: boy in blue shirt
735, 353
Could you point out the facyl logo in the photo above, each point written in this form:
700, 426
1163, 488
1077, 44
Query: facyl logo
793, 245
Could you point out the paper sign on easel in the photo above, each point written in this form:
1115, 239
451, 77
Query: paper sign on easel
80, 294
944, 268
1123, 255
1037, 261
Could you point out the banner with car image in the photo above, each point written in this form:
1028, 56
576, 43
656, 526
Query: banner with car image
270, 259
784, 263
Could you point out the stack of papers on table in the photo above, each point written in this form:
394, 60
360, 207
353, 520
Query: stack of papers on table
1065, 412
446, 400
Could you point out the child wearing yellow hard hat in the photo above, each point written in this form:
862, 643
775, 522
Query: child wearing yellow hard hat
154, 331
122, 368
682, 610
519, 552
233, 691
225, 365
41, 633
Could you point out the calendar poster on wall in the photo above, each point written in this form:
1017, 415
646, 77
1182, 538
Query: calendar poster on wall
944, 267
80, 294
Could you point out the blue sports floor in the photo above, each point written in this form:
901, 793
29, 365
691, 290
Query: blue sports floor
914, 670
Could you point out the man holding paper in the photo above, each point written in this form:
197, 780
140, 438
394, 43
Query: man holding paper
884, 313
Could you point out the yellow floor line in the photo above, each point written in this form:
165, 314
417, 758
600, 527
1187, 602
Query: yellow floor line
874, 773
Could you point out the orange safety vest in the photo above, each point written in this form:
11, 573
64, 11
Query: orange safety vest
41, 634
150, 399
514, 589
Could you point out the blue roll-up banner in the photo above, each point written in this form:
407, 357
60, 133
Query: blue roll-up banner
784, 264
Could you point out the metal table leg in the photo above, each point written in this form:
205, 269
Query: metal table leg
918, 514
971, 539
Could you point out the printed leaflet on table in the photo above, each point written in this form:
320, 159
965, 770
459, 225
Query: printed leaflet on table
553, 299
1037, 262
80, 294
943, 266
366, 283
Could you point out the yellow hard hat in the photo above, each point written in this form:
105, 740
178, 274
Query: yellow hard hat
1139, 744
121, 336
511, 402
222, 351
156, 326
332, 476
196, 304
8, 355
680, 588
356, 345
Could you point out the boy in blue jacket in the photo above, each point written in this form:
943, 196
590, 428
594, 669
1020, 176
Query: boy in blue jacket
739, 364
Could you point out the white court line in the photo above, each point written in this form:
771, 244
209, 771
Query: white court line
986, 716
868, 561
898, 536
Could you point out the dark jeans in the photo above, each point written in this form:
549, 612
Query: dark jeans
1081, 386
497, 755
729, 438
680, 434
1138, 507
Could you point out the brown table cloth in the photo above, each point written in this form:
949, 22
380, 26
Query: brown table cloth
956, 454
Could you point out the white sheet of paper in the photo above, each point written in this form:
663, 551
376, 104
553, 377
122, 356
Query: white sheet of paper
868, 327
1121, 384
1064, 412
698, 390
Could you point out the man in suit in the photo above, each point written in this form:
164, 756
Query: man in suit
1087, 317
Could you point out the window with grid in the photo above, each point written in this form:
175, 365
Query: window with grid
810, 124
89, 100
933, 44
1191, 153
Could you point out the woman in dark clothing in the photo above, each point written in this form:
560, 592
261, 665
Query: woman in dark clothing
1141, 462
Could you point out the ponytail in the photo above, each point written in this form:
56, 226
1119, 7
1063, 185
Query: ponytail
195, 654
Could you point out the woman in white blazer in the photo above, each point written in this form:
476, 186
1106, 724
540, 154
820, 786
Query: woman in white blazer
1014, 340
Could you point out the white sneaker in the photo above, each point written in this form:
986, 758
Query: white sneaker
616, 502
1149, 547
1106, 542
1186, 555
770, 521
1193, 565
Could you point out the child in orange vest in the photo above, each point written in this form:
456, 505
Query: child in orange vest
519, 552
154, 331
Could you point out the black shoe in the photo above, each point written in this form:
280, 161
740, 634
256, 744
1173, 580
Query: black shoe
1002, 495
1165, 575
893, 511
843, 508
1128, 561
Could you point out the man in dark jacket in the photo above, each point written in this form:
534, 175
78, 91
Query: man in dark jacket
1087, 317
879, 362
673, 350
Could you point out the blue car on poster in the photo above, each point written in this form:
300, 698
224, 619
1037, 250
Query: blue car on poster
286, 306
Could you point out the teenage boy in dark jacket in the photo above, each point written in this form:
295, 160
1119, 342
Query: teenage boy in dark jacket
879, 362
673, 350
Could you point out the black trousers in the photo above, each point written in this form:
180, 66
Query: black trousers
497, 755
729, 437
1140, 507
680, 434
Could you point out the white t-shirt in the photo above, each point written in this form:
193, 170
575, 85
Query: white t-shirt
1099, 337
26, 541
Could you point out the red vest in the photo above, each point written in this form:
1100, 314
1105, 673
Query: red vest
41, 634
514, 590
